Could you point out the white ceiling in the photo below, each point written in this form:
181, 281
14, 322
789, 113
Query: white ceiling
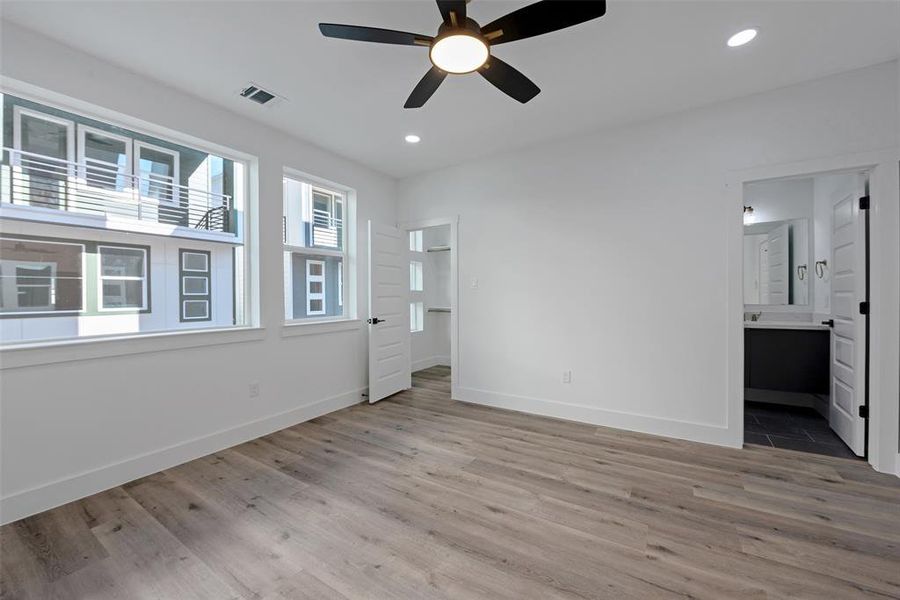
643, 59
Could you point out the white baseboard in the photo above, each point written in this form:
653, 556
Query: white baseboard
685, 430
431, 361
38, 499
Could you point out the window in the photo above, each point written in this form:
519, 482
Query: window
45, 148
315, 250
415, 276
340, 282
416, 317
105, 159
315, 287
123, 278
327, 218
195, 287
125, 203
39, 276
415, 241
157, 171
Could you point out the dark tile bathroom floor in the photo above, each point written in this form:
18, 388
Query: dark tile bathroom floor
791, 428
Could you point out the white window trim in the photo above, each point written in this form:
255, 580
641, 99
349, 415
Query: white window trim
101, 278
246, 205
348, 214
176, 176
319, 295
83, 279
203, 278
20, 111
205, 258
184, 316
83, 159
340, 282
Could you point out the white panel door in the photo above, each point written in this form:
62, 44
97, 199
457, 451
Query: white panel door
779, 264
390, 368
848, 334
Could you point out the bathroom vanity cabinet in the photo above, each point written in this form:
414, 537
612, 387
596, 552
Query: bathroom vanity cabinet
787, 360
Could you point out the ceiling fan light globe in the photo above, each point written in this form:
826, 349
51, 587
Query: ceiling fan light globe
459, 53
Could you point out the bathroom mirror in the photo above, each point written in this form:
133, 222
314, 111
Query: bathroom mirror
776, 263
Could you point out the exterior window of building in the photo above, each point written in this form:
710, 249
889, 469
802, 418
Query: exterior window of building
416, 316
105, 159
315, 250
315, 287
91, 210
123, 278
38, 276
195, 285
415, 276
157, 172
415, 240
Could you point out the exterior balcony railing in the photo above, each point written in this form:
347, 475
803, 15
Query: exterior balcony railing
327, 230
28, 179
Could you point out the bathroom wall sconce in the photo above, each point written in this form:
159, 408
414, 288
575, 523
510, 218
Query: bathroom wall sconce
821, 265
748, 215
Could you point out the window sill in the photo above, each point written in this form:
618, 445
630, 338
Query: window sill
295, 328
51, 352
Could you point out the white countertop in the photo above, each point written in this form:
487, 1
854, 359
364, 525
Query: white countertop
784, 325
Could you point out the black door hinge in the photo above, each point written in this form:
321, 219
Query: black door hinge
864, 411
864, 203
863, 308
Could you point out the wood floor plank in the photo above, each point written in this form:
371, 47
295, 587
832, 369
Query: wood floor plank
419, 496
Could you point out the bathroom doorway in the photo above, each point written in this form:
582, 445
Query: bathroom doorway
805, 296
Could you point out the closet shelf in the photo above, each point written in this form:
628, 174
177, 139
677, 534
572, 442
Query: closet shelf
438, 249
438, 310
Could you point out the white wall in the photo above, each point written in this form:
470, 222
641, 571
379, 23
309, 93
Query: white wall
607, 254
72, 428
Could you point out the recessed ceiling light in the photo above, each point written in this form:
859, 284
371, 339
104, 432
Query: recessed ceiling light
412, 139
742, 37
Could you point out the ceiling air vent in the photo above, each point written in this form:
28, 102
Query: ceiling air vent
257, 94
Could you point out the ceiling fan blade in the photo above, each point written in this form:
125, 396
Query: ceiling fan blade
453, 6
373, 34
542, 17
508, 80
425, 88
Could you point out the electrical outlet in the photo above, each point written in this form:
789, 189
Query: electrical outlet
254, 389
474, 283
567, 376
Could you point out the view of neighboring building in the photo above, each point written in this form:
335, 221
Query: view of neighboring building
314, 250
105, 230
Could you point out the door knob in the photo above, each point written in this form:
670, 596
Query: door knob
375, 321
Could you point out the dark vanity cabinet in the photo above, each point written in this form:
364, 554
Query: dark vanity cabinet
787, 360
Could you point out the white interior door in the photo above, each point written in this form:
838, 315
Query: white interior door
848, 334
779, 264
390, 368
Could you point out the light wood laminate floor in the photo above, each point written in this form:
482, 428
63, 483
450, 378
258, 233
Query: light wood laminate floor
420, 497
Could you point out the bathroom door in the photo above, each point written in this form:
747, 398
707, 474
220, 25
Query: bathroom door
779, 264
848, 333
390, 367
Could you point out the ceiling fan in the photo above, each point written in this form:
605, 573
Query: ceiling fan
462, 46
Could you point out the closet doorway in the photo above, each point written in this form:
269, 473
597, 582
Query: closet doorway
433, 302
